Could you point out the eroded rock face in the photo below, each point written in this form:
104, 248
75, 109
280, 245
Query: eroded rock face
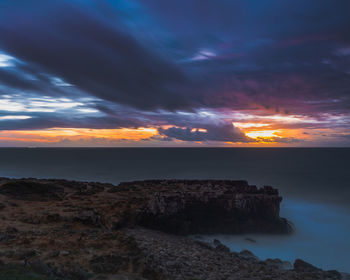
86, 230
210, 206
176, 206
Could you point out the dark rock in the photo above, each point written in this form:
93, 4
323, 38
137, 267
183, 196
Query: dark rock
217, 242
203, 244
301, 265
277, 263
211, 206
54, 254
247, 255
40, 267
20, 272
78, 273
88, 188
53, 218
11, 230
64, 253
333, 274
109, 263
25, 254
31, 190
8, 253
5, 236
120, 276
74, 236
220, 247
13, 204
89, 217
179, 259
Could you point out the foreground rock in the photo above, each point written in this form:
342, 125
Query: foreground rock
58, 229
211, 206
181, 258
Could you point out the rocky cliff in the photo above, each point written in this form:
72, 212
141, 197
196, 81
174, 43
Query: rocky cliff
177, 206
67, 230
207, 206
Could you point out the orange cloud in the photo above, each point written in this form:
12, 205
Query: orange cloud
273, 131
53, 135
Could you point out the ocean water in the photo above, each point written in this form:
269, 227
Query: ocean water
314, 182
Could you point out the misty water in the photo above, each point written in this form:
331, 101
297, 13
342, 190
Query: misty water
321, 237
315, 185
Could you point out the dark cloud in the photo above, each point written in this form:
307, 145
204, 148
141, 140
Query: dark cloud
104, 58
221, 132
93, 55
40, 121
150, 62
11, 79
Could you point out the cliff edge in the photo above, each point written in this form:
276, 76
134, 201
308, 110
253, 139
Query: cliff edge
69, 230
204, 206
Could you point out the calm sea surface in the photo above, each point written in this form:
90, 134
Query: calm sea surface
315, 184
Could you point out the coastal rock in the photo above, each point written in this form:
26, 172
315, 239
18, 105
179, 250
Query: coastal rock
220, 247
179, 258
40, 267
176, 206
31, 190
59, 229
247, 255
279, 264
89, 217
304, 266
208, 206
119, 276
109, 264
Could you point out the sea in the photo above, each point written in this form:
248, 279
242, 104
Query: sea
314, 183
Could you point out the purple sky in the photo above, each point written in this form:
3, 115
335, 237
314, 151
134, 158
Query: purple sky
174, 73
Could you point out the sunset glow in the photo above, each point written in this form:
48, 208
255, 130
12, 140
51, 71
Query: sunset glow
262, 134
55, 135
156, 74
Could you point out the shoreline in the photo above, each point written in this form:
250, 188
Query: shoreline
89, 230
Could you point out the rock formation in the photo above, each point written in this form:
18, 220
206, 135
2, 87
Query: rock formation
209, 206
67, 230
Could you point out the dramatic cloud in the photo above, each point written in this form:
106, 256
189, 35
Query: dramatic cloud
215, 72
92, 54
224, 132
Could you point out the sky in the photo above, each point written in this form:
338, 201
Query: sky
198, 73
